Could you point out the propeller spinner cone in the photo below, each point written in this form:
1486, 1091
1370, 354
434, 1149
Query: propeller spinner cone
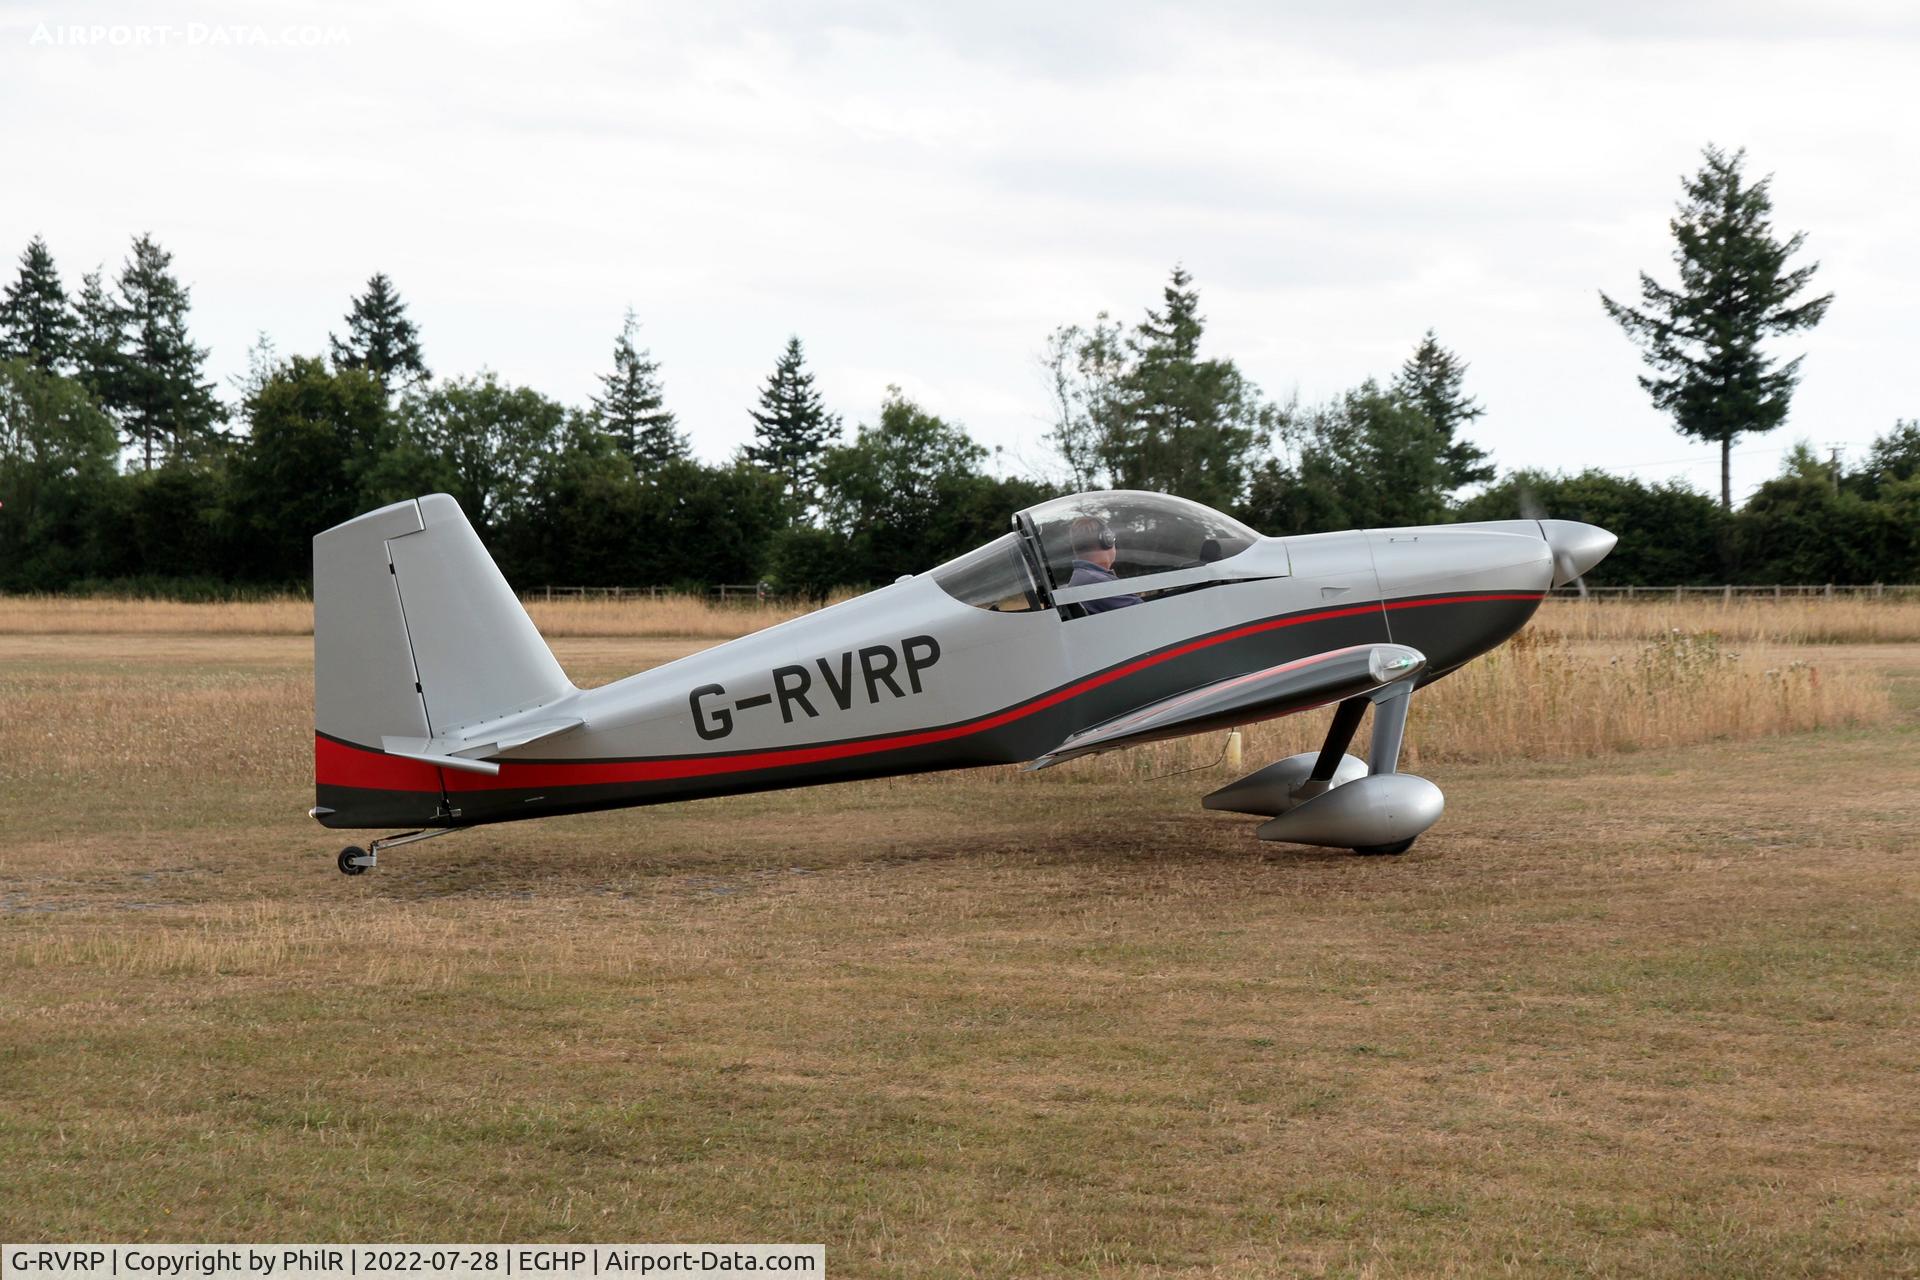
1576, 548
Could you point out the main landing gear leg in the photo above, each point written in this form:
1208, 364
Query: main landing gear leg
1383, 753
355, 861
1346, 719
1389, 728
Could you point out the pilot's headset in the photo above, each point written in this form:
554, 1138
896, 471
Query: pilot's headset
1090, 532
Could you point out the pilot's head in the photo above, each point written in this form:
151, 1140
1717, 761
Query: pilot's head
1092, 541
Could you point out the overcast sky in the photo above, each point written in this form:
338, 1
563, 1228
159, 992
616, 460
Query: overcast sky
922, 192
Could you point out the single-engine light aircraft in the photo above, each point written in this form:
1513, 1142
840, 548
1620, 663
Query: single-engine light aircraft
1099, 621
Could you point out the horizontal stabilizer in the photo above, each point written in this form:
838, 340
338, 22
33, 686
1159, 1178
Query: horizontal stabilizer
443, 761
1259, 695
467, 748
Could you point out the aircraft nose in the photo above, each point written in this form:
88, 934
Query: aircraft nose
1576, 548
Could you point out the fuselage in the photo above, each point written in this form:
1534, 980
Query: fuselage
911, 677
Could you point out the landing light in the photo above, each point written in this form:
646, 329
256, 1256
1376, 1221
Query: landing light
1387, 664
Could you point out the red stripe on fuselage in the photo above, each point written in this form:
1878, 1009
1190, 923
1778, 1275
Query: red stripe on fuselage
343, 764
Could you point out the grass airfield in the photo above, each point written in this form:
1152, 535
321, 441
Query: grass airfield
1648, 1013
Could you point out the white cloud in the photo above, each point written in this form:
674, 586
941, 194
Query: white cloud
923, 191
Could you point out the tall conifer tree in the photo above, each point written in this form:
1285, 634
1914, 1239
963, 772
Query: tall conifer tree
1702, 340
1182, 424
632, 408
99, 346
158, 393
381, 338
791, 427
1430, 381
35, 323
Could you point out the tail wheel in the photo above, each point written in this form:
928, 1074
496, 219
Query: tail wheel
349, 860
1398, 846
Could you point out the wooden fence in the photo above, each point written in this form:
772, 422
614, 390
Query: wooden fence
1777, 591
727, 593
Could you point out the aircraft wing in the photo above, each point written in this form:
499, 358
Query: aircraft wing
1266, 694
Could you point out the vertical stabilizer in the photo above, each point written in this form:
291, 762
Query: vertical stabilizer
415, 635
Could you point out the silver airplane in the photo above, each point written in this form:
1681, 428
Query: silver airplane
1100, 621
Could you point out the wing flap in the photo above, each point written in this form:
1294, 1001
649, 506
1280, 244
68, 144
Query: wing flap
1247, 699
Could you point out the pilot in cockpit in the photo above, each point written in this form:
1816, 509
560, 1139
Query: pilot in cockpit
1094, 550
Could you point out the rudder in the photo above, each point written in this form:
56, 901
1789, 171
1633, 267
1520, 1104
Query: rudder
416, 634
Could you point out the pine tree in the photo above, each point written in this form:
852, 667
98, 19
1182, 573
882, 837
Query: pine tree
1703, 339
792, 428
157, 392
263, 363
1182, 425
381, 338
99, 344
633, 410
1430, 381
35, 324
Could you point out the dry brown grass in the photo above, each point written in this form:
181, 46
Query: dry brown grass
104, 615
230, 724
411, 944
1532, 699
1538, 698
292, 616
1741, 620
1641, 1014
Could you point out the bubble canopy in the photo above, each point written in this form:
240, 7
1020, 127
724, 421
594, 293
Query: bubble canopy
1149, 532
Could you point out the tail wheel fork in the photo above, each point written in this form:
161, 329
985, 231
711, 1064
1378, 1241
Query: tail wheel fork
354, 860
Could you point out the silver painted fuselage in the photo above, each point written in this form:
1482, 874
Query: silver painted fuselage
908, 678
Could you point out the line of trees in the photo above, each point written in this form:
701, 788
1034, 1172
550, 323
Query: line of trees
120, 466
